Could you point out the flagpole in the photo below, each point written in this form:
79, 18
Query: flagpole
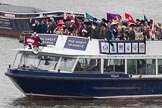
152, 28
24, 52
124, 14
143, 12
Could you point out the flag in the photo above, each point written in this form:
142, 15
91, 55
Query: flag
145, 19
88, 16
111, 17
129, 18
31, 41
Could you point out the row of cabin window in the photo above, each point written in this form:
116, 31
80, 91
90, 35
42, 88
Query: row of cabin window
134, 66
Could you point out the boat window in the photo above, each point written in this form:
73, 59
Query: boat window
18, 24
114, 65
17, 60
66, 64
5, 23
48, 62
141, 66
160, 66
87, 64
29, 61
131, 66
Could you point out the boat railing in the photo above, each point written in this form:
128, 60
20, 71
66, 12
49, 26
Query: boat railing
23, 34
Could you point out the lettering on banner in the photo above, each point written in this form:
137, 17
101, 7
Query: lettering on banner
48, 39
76, 43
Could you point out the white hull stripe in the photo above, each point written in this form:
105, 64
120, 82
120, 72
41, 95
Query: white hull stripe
94, 97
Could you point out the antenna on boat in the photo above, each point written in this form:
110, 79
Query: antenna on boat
24, 52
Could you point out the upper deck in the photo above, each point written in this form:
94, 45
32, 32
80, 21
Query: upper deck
72, 45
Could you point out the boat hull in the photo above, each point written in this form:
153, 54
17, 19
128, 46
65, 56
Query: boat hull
91, 86
9, 33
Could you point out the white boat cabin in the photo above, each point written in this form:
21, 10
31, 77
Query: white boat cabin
71, 54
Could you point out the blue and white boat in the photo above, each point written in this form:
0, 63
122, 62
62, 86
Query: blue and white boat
76, 67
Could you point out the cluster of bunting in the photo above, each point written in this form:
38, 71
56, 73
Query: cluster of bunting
117, 17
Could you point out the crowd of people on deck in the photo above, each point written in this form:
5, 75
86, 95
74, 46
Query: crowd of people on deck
103, 29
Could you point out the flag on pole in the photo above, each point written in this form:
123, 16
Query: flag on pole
145, 18
31, 41
88, 16
129, 18
111, 17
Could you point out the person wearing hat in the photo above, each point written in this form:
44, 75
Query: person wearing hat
131, 34
51, 26
37, 27
71, 28
103, 31
44, 26
37, 41
94, 19
104, 20
59, 28
95, 31
85, 30
114, 29
69, 18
